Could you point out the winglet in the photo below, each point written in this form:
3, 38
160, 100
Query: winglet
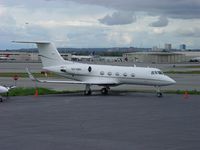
33, 42
11, 87
31, 76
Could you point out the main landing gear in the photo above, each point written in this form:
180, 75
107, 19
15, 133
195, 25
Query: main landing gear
158, 92
104, 91
88, 90
4, 98
1, 99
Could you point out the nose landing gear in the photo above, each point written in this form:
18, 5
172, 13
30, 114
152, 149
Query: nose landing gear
158, 92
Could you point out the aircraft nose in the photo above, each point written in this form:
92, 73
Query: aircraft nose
171, 81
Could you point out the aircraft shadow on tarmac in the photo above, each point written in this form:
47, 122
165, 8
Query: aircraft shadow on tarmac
111, 94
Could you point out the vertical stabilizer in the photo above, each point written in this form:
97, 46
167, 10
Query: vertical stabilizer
48, 53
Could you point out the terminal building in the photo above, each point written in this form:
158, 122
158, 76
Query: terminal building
26, 56
18, 56
182, 47
168, 47
160, 57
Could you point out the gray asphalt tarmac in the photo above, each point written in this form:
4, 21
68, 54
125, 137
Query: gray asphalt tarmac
20, 67
115, 122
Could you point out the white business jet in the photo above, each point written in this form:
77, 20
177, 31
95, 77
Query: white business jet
5, 90
102, 75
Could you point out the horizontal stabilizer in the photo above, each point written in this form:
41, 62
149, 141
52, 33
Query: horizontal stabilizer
47, 52
33, 42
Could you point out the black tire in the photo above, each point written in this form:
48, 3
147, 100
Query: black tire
104, 91
159, 94
88, 92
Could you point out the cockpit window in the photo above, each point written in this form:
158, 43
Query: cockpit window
156, 72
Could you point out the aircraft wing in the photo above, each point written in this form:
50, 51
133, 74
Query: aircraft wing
91, 82
11, 87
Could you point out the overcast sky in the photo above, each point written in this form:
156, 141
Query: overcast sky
100, 23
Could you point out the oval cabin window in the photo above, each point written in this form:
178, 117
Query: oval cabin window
102, 73
125, 74
132, 75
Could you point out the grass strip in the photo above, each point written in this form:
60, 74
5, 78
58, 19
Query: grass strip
24, 75
192, 92
187, 66
183, 72
30, 91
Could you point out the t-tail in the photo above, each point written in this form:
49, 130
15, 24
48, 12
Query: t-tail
48, 53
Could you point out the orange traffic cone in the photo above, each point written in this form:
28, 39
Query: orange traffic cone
186, 95
36, 92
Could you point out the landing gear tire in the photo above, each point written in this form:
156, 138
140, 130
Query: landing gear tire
104, 91
159, 94
89, 92
7, 95
1, 99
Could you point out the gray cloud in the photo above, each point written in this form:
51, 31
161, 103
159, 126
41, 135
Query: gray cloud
7, 19
184, 9
189, 32
118, 18
161, 22
42, 11
42, 4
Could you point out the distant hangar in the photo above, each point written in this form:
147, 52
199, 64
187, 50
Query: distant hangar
160, 57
